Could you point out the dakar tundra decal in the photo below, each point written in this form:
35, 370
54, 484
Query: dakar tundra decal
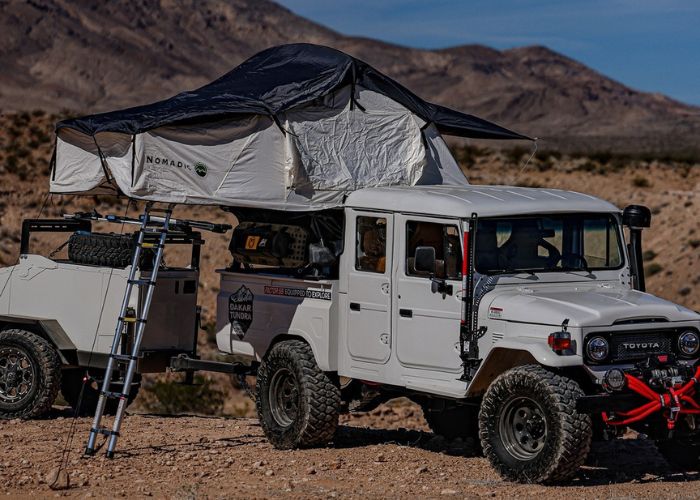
240, 311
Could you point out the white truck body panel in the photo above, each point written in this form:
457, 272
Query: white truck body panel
388, 327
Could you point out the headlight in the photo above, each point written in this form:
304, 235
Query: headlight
597, 349
688, 343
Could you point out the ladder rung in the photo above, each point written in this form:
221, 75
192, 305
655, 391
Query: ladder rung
131, 319
105, 431
124, 357
113, 395
150, 245
149, 232
142, 282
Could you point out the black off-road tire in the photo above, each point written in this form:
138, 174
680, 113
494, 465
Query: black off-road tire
452, 423
681, 454
72, 382
105, 249
566, 440
314, 393
44, 365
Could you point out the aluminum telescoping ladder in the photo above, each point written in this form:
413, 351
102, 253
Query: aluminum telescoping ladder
150, 227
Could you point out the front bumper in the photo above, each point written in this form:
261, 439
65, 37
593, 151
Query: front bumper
652, 389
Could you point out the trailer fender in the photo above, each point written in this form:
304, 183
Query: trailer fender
49, 329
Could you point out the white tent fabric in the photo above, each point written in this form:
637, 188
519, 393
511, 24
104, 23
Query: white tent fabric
324, 151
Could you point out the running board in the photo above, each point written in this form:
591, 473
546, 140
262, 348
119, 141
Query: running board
183, 363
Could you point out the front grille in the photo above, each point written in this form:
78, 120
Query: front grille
634, 346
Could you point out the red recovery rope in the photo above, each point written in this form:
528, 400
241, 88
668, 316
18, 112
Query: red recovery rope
677, 400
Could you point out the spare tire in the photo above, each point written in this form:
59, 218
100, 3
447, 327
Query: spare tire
106, 249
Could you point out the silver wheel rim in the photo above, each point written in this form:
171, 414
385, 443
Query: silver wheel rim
284, 397
17, 374
523, 428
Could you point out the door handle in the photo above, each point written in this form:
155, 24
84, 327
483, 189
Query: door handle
406, 313
354, 306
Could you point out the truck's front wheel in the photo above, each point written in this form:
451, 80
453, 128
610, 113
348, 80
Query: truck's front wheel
529, 428
297, 403
30, 374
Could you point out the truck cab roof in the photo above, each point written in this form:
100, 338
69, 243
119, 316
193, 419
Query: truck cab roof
486, 201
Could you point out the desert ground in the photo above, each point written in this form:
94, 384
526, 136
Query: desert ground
214, 446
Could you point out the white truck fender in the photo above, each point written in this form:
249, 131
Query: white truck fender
507, 354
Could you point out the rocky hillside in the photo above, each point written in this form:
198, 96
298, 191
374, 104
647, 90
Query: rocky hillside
94, 56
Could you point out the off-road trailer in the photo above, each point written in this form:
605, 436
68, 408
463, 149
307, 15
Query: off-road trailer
57, 316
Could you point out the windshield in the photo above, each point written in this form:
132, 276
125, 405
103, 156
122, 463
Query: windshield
548, 243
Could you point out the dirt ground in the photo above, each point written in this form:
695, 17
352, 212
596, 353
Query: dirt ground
386, 454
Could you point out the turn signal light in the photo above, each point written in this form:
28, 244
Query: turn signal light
559, 341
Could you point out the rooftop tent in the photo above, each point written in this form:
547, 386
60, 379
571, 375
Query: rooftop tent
293, 127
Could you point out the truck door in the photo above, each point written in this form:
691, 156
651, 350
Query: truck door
427, 323
369, 286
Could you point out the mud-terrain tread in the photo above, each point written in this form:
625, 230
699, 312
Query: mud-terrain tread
71, 383
679, 454
558, 392
49, 365
105, 249
320, 398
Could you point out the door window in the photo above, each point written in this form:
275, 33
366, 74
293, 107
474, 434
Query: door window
444, 238
370, 244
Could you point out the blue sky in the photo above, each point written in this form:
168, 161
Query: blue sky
651, 45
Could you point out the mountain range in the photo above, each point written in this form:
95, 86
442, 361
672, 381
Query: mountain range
85, 57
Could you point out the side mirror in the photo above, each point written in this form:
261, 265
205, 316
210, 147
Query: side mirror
424, 260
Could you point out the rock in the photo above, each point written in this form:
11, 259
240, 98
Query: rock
684, 291
448, 491
381, 458
269, 472
58, 479
422, 469
311, 471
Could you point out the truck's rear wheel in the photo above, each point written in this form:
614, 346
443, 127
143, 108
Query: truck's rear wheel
30, 374
529, 428
297, 403
72, 382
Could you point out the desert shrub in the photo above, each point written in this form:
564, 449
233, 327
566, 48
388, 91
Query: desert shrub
467, 155
515, 155
587, 166
640, 181
602, 157
170, 397
649, 255
653, 269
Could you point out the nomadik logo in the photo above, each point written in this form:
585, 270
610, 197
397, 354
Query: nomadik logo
199, 168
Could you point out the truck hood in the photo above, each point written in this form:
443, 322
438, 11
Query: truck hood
597, 306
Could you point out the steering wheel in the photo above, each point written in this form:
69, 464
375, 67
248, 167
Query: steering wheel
573, 255
554, 254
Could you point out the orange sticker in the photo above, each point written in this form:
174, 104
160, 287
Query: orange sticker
251, 243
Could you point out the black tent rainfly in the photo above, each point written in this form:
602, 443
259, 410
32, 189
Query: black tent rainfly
293, 127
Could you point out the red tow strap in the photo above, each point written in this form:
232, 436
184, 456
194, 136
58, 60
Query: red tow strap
676, 401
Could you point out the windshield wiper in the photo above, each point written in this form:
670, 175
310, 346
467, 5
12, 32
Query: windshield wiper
512, 271
571, 268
